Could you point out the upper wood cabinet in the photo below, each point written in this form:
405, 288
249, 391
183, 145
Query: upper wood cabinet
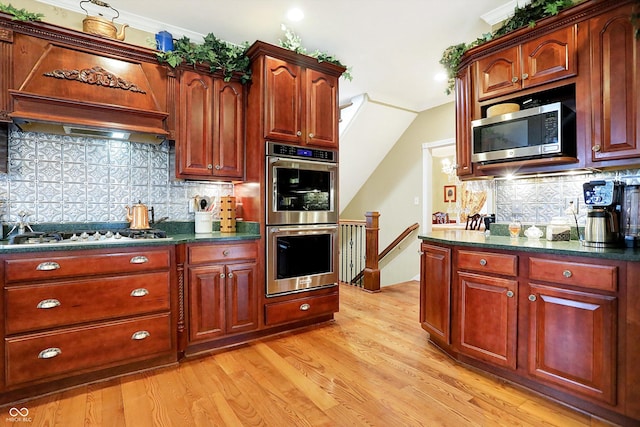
210, 141
463, 94
542, 60
301, 104
615, 89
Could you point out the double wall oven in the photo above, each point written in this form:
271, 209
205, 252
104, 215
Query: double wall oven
301, 218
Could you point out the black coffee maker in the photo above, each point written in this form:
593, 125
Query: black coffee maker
603, 199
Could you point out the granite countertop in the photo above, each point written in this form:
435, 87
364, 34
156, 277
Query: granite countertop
523, 244
177, 233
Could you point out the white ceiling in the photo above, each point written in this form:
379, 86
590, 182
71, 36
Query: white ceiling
392, 47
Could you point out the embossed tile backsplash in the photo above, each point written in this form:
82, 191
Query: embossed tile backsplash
75, 179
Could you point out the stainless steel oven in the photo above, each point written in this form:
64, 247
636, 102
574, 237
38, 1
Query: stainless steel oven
300, 257
301, 185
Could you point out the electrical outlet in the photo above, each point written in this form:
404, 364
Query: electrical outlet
571, 202
191, 207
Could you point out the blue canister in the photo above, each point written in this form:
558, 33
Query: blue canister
164, 41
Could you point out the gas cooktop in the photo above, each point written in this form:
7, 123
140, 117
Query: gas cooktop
50, 238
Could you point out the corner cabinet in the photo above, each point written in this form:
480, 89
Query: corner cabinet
300, 99
210, 143
565, 326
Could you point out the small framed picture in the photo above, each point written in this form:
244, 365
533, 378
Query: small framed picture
450, 193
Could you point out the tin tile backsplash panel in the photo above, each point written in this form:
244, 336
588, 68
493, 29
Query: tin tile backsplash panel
57, 178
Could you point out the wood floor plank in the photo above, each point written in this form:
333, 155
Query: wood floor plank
372, 366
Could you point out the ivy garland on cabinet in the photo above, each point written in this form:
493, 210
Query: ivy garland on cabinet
20, 14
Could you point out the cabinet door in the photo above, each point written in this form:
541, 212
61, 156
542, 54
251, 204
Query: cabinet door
321, 109
498, 74
283, 98
228, 142
572, 340
463, 123
615, 87
550, 57
6, 74
242, 305
435, 292
206, 302
488, 318
194, 153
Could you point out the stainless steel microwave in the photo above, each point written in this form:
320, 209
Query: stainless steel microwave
548, 130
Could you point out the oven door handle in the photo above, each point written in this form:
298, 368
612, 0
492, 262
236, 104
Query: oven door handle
304, 230
290, 161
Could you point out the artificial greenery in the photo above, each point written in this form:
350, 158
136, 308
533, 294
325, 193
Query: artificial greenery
20, 14
218, 54
293, 42
523, 17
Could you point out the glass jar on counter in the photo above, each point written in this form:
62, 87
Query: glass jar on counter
558, 230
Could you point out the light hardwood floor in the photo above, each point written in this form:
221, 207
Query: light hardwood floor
373, 366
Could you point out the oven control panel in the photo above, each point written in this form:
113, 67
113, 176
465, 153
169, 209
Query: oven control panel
274, 149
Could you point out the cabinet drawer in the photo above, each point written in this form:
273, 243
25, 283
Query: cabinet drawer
73, 351
51, 305
84, 264
486, 262
204, 254
301, 308
592, 276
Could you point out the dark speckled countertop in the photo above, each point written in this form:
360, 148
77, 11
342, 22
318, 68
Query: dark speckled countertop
177, 232
523, 244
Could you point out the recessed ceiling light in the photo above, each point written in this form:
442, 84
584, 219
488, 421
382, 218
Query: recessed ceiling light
440, 77
295, 14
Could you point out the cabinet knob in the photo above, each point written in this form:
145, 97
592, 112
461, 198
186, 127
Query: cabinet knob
140, 259
595, 148
230, 275
299, 133
311, 135
140, 292
510, 294
567, 273
525, 76
532, 298
514, 79
209, 166
140, 335
49, 353
48, 266
222, 275
48, 303
483, 262
305, 307
225, 252
218, 167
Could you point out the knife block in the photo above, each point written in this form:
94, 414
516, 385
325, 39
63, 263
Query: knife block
227, 214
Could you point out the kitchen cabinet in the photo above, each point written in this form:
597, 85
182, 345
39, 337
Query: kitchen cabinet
86, 314
486, 314
302, 306
211, 128
464, 106
6, 74
562, 325
222, 288
615, 89
299, 102
550, 57
435, 292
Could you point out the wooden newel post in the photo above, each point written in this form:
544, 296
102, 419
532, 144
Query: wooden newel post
371, 270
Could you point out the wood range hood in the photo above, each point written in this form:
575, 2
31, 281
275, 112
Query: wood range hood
74, 92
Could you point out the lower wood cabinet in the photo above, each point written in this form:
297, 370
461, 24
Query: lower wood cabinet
558, 324
222, 288
302, 306
75, 316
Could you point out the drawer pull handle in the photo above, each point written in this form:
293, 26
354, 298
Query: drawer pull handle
510, 294
140, 335
49, 353
483, 262
532, 298
567, 273
48, 303
305, 307
140, 292
140, 259
48, 266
